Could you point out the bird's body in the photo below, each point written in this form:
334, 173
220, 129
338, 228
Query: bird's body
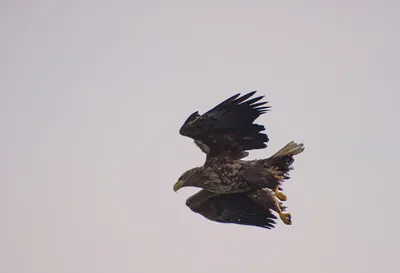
228, 182
219, 177
224, 175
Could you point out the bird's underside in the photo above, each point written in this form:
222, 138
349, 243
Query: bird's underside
235, 190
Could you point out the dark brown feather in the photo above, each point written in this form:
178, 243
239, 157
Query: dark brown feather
228, 128
232, 208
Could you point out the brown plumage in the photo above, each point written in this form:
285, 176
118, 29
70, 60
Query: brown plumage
225, 134
224, 175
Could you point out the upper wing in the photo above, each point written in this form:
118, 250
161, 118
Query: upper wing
228, 127
231, 208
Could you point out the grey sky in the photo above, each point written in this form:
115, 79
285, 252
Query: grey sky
93, 94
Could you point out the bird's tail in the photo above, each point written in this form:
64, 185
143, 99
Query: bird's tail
280, 164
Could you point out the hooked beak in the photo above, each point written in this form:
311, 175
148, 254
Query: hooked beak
178, 185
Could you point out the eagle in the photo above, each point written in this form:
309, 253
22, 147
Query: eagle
235, 190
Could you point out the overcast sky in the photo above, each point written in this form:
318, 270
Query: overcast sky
93, 94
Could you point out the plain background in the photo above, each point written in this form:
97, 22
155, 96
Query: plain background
93, 94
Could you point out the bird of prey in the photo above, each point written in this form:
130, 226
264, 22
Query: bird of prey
234, 190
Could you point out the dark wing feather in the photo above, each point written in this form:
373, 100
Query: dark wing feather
231, 208
228, 127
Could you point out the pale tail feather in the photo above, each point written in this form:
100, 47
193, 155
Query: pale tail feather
290, 149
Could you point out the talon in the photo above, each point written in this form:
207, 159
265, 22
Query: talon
281, 196
286, 218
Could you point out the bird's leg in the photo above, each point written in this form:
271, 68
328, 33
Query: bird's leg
279, 176
281, 196
285, 217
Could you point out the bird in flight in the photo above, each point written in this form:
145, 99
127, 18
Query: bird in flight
235, 190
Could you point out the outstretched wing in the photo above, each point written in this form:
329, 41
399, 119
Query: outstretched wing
228, 127
231, 208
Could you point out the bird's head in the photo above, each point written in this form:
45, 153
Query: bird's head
192, 177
